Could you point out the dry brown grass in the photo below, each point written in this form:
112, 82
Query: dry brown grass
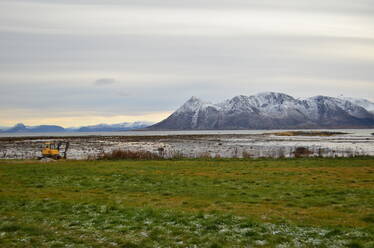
301, 152
305, 133
246, 154
127, 154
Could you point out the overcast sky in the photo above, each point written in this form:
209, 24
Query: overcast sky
79, 62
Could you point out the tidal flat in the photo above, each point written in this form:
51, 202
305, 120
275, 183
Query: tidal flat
305, 202
213, 144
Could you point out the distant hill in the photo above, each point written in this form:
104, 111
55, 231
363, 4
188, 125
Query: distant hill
126, 126
21, 128
268, 110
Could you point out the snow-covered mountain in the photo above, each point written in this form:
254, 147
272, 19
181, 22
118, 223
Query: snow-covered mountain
368, 105
125, 126
268, 110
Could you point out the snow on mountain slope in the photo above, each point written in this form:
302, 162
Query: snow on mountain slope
268, 110
331, 104
125, 126
195, 104
368, 105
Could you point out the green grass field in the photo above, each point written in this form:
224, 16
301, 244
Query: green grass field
190, 203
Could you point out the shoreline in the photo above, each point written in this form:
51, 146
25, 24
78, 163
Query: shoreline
195, 145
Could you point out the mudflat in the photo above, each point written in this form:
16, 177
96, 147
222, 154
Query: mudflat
195, 145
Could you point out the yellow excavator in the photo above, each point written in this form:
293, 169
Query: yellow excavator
55, 150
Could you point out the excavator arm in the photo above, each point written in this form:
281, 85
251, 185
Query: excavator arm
67, 144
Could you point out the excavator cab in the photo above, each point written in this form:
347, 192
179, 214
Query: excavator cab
55, 150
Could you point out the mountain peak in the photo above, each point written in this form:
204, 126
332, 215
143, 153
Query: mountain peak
240, 97
321, 97
270, 94
191, 105
19, 125
194, 100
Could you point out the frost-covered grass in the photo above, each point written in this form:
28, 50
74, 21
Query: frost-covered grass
191, 203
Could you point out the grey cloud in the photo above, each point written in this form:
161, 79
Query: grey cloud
123, 93
188, 59
104, 81
145, 72
99, 20
358, 6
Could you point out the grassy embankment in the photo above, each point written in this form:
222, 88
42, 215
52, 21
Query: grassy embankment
226, 203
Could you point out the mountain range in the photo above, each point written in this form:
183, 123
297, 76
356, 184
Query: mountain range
125, 126
270, 110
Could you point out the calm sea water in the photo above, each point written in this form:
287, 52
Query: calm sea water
352, 132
